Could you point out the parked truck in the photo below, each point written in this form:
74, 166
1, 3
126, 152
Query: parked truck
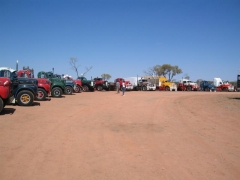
140, 83
145, 85
207, 86
223, 85
187, 85
70, 85
44, 85
78, 82
57, 85
238, 82
164, 84
5, 92
87, 85
112, 85
101, 84
23, 90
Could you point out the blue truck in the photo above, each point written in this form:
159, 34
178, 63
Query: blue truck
23, 90
207, 86
238, 82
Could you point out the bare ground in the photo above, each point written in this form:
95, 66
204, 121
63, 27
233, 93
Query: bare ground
106, 136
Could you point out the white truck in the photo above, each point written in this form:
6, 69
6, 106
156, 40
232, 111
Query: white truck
141, 84
187, 85
222, 85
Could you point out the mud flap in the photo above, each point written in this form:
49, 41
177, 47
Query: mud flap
11, 100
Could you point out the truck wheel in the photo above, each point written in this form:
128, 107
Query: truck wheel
42, 94
25, 98
1, 104
81, 89
99, 88
57, 92
189, 88
85, 88
167, 88
68, 90
207, 89
144, 88
77, 89
225, 89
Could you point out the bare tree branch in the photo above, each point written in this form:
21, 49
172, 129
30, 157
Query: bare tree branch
87, 70
73, 64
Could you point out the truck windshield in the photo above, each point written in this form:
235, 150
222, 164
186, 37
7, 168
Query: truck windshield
5, 73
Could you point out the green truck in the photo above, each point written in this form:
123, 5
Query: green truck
87, 85
57, 85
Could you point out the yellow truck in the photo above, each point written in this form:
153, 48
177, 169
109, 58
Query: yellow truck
164, 84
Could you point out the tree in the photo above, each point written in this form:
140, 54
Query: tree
87, 70
73, 62
154, 71
106, 76
164, 70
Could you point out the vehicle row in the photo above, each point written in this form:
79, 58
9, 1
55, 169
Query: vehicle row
20, 86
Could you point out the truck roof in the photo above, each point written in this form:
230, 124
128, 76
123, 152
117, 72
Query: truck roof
7, 68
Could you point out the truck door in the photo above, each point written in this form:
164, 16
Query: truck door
238, 82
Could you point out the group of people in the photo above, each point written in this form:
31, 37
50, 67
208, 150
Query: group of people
123, 87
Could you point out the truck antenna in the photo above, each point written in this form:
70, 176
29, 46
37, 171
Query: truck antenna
17, 66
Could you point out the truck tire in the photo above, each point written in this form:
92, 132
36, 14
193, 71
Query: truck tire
189, 88
42, 94
1, 104
144, 88
68, 90
99, 88
167, 88
85, 88
56, 92
25, 98
225, 89
77, 89
207, 89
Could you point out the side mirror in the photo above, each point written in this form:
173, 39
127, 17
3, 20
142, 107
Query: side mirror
15, 76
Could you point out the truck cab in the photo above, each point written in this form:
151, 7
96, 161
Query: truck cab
207, 86
222, 85
101, 84
87, 85
145, 85
5, 91
164, 84
44, 85
128, 84
187, 85
23, 90
78, 82
238, 82
57, 85
69, 84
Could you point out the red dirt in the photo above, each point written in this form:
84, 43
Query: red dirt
106, 136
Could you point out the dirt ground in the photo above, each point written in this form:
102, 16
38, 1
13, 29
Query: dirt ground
139, 136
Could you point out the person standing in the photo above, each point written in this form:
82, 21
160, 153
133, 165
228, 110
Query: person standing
118, 86
123, 87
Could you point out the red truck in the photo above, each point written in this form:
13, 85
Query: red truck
222, 85
101, 84
187, 85
129, 86
44, 85
4, 91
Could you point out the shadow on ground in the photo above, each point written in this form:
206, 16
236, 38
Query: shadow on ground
6, 111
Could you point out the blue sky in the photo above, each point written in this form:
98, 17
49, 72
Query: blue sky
122, 37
